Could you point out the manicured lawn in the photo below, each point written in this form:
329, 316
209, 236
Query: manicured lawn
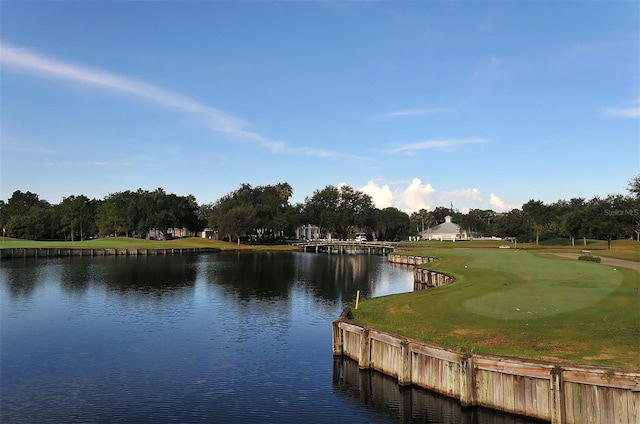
521, 303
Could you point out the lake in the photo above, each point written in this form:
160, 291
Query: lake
216, 338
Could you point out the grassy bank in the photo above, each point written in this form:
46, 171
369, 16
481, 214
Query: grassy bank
521, 303
134, 243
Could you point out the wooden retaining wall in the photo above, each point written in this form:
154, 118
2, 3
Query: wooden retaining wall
544, 391
422, 278
59, 252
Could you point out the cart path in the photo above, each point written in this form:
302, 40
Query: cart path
606, 261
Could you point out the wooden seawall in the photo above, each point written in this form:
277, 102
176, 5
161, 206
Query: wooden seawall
60, 252
422, 278
545, 391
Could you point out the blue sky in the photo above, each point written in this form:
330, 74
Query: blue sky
419, 104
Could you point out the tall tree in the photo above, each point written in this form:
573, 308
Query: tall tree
77, 214
538, 214
391, 224
513, 224
422, 220
321, 209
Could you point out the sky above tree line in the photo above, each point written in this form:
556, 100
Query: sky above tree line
418, 104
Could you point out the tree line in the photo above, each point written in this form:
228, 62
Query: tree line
264, 214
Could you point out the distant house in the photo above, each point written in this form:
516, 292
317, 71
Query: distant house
155, 234
308, 232
447, 231
208, 233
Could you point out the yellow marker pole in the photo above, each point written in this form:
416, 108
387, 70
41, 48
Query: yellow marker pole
357, 298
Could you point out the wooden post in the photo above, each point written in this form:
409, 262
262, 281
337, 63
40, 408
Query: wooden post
364, 359
404, 373
557, 397
337, 338
467, 380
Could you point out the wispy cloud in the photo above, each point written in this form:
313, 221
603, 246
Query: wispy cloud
413, 112
282, 148
214, 118
623, 113
442, 144
219, 120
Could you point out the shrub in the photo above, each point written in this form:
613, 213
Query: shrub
589, 258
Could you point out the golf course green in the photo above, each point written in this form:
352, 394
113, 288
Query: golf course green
523, 303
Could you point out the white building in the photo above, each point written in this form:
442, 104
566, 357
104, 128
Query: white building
447, 231
308, 232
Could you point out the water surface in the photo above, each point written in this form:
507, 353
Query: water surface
224, 338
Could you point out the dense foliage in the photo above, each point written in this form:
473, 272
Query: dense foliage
264, 214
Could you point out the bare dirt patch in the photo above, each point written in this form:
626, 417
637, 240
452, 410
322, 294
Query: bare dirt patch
404, 309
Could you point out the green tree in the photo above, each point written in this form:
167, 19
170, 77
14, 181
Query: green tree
264, 211
77, 216
321, 209
391, 224
539, 215
575, 220
20, 204
238, 221
422, 220
513, 224
611, 217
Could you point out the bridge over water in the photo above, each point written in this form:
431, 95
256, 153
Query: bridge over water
349, 246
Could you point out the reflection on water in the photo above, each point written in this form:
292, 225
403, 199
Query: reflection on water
207, 338
407, 404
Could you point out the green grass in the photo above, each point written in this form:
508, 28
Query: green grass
521, 303
134, 243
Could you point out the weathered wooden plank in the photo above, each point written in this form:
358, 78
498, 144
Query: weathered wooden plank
512, 367
436, 352
498, 391
591, 404
386, 338
519, 396
621, 406
364, 359
385, 357
633, 404
508, 392
351, 328
336, 338
543, 398
604, 408
484, 384
618, 379
351, 345
578, 394
530, 402
404, 373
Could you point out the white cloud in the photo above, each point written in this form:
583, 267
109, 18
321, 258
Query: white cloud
465, 194
496, 202
446, 145
382, 196
416, 196
412, 196
624, 113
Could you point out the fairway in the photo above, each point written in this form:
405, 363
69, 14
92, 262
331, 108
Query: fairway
531, 287
521, 303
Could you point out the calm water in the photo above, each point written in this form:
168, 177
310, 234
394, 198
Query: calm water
224, 338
